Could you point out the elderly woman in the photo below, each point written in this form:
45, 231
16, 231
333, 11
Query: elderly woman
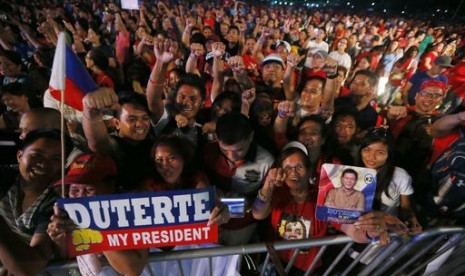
290, 202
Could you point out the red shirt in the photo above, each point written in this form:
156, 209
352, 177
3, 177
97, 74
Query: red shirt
291, 220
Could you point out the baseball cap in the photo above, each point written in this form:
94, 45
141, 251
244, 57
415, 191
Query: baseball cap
321, 53
443, 61
284, 43
90, 169
434, 83
273, 58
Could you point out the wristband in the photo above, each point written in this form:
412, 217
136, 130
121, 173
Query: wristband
154, 83
265, 198
372, 240
282, 114
260, 40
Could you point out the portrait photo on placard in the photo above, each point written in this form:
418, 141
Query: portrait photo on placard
345, 193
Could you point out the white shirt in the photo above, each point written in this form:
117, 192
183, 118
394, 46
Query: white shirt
342, 60
313, 46
401, 184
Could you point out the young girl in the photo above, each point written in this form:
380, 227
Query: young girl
394, 185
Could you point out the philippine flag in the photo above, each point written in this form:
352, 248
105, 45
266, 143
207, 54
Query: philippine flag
70, 75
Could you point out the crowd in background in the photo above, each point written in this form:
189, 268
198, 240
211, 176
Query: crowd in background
252, 99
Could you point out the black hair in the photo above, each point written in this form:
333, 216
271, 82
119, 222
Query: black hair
99, 58
139, 71
182, 147
262, 103
232, 128
351, 171
192, 80
138, 100
407, 54
314, 118
318, 78
234, 27
21, 89
386, 172
372, 77
228, 95
12, 56
343, 69
47, 133
198, 38
15, 89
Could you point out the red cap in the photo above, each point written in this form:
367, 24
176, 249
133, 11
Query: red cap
434, 83
90, 169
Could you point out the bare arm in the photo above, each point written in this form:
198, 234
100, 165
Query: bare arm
197, 50
446, 124
13, 252
165, 53
285, 111
95, 130
128, 262
257, 50
261, 207
289, 76
218, 50
404, 93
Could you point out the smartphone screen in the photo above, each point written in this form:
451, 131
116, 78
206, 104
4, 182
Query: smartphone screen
236, 206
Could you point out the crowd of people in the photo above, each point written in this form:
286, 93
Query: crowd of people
252, 99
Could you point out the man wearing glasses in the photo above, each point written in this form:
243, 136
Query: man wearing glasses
411, 126
434, 74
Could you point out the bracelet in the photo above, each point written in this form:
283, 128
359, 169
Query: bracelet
260, 40
282, 114
154, 83
372, 240
265, 198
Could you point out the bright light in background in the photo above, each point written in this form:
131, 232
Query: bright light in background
373, 3
348, 3
382, 85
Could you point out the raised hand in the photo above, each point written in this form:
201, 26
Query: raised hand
286, 109
292, 60
165, 51
102, 98
236, 63
218, 49
248, 96
197, 49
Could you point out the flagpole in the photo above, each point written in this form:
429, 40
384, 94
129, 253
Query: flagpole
62, 106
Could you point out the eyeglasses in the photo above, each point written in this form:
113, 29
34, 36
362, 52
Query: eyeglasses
297, 168
426, 94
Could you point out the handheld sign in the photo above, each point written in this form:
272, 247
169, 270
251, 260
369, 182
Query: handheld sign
345, 193
130, 4
142, 220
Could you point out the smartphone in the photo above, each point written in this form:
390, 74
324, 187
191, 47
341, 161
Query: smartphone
235, 205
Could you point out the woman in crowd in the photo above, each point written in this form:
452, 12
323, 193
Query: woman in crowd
393, 184
403, 69
288, 199
173, 157
17, 99
97, 63
342, 142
